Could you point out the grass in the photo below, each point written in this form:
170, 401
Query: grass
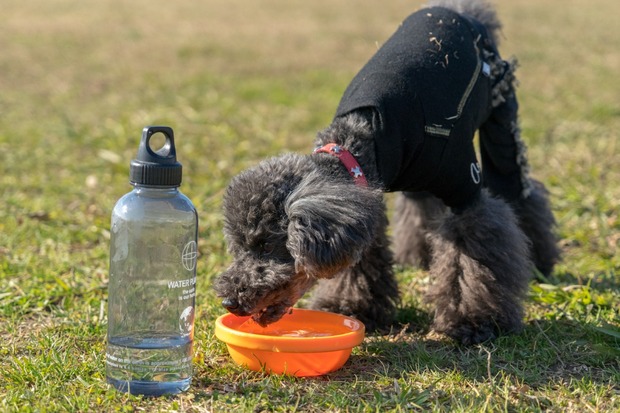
241, 80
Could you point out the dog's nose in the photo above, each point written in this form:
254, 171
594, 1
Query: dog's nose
230, 304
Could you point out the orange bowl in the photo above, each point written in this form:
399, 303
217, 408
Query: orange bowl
303, 343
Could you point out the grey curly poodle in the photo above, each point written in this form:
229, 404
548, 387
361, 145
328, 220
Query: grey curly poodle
406, 123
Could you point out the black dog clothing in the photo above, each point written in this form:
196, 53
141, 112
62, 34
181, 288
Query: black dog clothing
436, 81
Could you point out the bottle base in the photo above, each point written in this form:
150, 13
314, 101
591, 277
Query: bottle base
150, 388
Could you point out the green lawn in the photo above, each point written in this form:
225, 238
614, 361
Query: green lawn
240, 80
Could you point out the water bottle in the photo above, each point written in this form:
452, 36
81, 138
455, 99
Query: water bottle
152, 282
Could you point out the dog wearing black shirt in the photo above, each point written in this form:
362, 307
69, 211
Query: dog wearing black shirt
405, 124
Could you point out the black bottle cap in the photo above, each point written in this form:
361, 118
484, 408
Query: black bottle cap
156, 168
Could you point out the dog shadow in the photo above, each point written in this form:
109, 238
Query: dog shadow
547, 350
403, 364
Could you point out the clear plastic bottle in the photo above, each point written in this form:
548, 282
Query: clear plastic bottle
152, 287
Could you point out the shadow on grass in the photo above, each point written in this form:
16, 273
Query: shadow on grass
414, 369
566, 351
546, 352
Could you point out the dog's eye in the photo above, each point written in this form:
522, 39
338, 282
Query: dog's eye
266, 247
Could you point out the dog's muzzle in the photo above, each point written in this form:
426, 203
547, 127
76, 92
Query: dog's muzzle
230, 304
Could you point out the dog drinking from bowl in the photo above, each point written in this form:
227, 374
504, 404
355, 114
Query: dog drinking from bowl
406, 124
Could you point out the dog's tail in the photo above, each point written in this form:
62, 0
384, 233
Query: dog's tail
480, 10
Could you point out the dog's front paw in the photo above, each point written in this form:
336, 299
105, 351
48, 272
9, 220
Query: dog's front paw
468, 334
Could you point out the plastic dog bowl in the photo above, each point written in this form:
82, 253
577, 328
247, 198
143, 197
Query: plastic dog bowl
303, 343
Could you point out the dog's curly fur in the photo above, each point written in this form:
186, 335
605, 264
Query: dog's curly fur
479, 288
298, 221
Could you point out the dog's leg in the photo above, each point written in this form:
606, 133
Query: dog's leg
367, 291
480, 271
506, 174
415, 214
537, 222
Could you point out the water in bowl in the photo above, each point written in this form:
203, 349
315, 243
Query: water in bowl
251, 326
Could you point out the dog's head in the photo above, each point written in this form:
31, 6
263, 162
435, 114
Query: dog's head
287, 225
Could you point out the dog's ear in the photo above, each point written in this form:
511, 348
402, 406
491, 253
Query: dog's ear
331, 224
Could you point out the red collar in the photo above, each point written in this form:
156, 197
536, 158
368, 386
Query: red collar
348, 160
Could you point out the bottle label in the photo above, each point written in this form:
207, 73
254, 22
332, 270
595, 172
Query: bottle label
189, 256
188, 286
